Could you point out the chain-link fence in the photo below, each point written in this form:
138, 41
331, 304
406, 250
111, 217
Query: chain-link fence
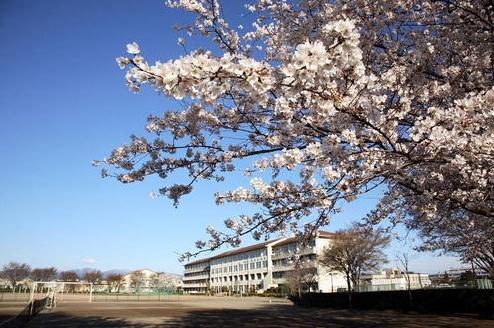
148, 295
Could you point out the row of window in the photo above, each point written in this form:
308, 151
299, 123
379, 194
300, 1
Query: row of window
292, 248
195, 267
242, 277
195, 274
286, 249
194, 282
239, 257
241, 267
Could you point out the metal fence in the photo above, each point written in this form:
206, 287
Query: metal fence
136, 297
14, 297
154, 296
474, 284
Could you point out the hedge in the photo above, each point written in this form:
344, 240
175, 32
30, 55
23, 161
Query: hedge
478, 301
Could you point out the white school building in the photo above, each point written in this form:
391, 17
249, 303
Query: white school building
260, 267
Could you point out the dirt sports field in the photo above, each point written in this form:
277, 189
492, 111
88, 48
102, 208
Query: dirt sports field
201, 311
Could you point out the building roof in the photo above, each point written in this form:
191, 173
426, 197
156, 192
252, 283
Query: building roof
320, 234
278, 241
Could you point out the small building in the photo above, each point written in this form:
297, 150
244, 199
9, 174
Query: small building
394, 279
455, 274
462, 277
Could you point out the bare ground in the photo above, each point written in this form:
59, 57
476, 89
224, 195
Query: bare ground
190, 311
10, 309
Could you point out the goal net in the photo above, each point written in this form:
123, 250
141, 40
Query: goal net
61, 291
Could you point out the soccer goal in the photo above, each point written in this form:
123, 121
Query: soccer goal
62, 291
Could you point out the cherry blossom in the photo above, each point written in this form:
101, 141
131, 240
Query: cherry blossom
334, 99
133, 48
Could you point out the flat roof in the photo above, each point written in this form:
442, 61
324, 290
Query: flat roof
321, 234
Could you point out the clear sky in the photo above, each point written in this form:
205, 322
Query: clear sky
64, 103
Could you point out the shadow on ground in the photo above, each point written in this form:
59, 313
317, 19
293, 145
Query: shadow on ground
4, 317
273, 317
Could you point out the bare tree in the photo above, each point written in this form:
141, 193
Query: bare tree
115, 281
479, 248
302, 277
44, 274
15, 272
136, 280
70, 276
404, 261
353, 251
93, 277
155, 280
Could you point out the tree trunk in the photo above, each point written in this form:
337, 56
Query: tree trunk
349, 285
409, 288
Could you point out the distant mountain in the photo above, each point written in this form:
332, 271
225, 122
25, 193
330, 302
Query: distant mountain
109, 272
81, 272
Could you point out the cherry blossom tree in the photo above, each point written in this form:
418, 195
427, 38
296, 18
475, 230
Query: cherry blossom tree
326, 101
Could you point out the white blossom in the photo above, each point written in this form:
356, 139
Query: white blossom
133, 48
339, 98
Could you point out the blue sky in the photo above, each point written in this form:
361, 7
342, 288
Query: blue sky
64, 103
